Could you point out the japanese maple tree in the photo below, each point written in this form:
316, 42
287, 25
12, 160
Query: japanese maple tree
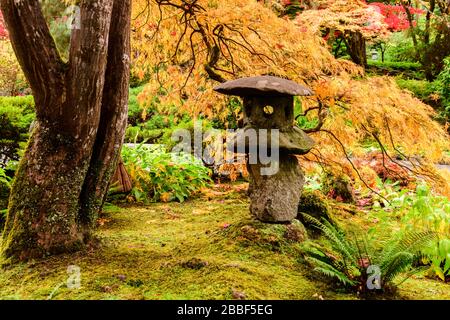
395, 15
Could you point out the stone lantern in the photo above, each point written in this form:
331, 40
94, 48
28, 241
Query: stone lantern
269, 104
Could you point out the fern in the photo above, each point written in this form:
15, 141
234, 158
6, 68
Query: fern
348, 259
337, 237
330, 271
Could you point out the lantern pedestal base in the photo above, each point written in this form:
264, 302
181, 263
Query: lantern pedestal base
275, 198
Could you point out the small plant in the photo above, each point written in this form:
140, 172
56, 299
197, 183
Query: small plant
442, 84
4, 179
428, 211
351, 260
16, 116
438, 256
417, 210
161, 176
5, 185
433, 213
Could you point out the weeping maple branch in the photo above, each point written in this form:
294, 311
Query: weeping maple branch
352, 164
219, 43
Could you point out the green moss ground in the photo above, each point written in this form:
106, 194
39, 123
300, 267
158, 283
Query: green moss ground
201, 249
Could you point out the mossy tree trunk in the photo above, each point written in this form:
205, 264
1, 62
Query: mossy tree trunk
113, 120
81, 116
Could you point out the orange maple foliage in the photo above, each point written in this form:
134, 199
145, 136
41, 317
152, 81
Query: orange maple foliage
253, 41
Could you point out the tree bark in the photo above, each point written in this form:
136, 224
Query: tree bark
356, 47
113, 120
76, 112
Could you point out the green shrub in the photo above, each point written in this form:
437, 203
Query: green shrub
134, 108
145, 122
418, 211
160, 176
410, 70
438, 256
186, 124
5, 185
430, 212
16, 116
399, 65
139, 134
400, 48
442, 85
421, 89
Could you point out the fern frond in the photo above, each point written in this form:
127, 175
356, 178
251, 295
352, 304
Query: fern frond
330, 271
337, 238
397, 263
412, 242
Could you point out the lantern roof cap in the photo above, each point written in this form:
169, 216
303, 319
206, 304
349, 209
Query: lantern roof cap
263, 86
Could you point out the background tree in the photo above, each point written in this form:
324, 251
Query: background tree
9, 69
395, 18
431, 37
348, 24
81, 116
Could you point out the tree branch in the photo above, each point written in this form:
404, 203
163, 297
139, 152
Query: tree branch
113, 119
87, 63
35, 50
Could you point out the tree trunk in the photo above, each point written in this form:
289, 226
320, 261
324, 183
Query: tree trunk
113, 121
356, 47
80, 122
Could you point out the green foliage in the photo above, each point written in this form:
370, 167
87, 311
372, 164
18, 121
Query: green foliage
347, 259
231, 121
428, 211
5, 185
436, 93
302, 121
138, 134
134, 108
146, 122
406, 69
54, 12
439, 258
140, 130
4, 179
443, 82
189, 125
399, 65
421, 89
432, 213
442, 86
400, 48
418, 211
16, 116
161, 176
